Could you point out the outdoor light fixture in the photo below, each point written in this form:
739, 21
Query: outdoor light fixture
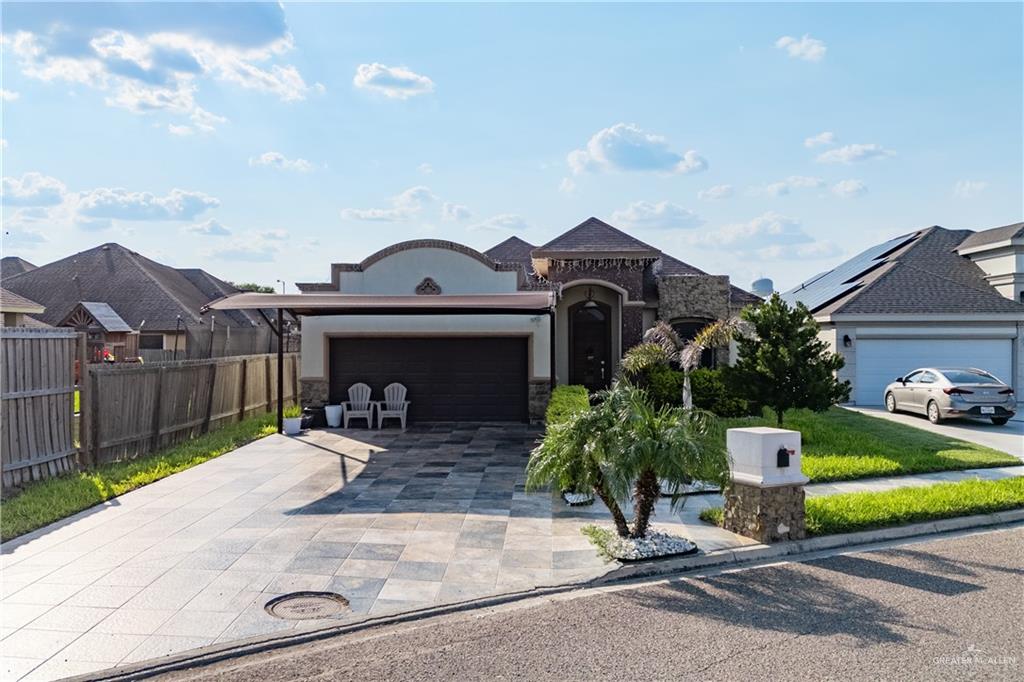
847, 341
591, 303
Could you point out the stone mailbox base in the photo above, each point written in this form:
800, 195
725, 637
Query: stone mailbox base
765, 514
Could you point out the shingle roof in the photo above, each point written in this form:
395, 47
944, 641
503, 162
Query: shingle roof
12, 302
135, 286
512, 250
993, 236
925, 276
594, 236
13, 265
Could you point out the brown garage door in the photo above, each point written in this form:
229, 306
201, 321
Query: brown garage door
449, 379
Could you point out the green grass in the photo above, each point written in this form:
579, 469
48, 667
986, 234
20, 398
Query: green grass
841, 445
851, 512
54, 499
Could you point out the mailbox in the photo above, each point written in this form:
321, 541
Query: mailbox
765, 457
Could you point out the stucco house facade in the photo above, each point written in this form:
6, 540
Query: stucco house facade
481, 336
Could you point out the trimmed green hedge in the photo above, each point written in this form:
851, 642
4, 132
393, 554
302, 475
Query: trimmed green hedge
565, 400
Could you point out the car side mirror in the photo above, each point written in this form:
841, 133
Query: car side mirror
901, 380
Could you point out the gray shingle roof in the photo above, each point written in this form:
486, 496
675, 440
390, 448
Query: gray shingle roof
512, 250
13, 265
929, 276
133, 285
993, 236
595, 236
12, 302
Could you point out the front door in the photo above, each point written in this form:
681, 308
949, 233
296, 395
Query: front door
590, 345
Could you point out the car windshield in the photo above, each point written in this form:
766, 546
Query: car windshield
969, 376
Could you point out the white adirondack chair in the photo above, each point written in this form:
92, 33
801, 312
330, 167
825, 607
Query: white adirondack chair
359, 405
393, 406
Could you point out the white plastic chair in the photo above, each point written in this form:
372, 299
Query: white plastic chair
359, 405
393, 406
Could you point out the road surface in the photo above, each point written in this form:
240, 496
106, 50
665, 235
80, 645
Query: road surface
947, 608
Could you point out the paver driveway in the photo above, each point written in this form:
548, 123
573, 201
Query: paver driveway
389, 520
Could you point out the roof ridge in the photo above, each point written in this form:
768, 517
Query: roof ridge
156, 280
589, 221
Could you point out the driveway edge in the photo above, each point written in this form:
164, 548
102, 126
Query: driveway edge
627, 572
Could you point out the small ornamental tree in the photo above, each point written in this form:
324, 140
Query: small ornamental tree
782, 362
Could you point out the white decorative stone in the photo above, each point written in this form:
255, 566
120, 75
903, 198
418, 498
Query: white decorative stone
753, 456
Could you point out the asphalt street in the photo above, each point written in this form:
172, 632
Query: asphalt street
947, 608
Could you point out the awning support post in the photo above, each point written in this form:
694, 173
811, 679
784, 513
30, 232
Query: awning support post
280, 370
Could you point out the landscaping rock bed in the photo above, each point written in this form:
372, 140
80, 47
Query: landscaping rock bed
656, 544
577, 499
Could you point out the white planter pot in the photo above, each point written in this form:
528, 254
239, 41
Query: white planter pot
333, 413
292, 426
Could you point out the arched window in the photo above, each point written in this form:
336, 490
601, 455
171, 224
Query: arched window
687, 329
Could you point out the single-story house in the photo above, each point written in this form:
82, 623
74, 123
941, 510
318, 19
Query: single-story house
15, 310
481, 336
934, 297
160, 303
14, 265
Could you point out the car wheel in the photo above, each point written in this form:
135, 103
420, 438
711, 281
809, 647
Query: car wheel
933, 412
1000, 421
890, 402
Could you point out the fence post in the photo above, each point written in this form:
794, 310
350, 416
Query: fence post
94, 416
157, 409
84, 401
209, 397
241, 389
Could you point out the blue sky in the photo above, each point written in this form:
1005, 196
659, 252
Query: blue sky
264, 142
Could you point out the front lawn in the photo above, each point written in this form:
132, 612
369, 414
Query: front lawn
47, 501
851, 512
841, 445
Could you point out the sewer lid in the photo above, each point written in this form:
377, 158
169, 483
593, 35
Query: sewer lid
307, 605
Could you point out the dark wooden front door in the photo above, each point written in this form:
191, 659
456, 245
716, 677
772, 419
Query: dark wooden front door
590, 345
448, 379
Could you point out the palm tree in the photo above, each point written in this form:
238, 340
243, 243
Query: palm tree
687, 353
625, 449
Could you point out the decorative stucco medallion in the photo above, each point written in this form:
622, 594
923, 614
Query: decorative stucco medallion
428, 287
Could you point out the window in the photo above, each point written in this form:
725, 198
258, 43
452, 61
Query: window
687, 330
927, 378
969, 376
913, 377
151, 341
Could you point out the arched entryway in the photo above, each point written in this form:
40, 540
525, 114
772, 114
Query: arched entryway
590, 344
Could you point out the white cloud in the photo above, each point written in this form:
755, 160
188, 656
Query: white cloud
968, 189
9, 95
626, 147
663, 215
715, 193
404, 206
783, 187
3, 143
811, 251
22, 238
394, 82
32, 189
274, 235
425, 168
806, 48
121, 204
849, 188
768, 229
245, 252
820, 140
455, 212
209, 228
504, 222
150, 58
852, 153
567, 186
181, 131
281, 162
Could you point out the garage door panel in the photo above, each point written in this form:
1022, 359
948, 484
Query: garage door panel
879, 361
448, 379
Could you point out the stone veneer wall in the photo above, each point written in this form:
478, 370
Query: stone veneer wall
538, 397
765, 514
313, 392
681, 296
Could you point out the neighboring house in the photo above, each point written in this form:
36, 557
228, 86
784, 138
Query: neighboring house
13, 265
483, 336
161, 303
15, 309
934, 297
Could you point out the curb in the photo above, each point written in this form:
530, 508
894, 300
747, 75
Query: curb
667, 567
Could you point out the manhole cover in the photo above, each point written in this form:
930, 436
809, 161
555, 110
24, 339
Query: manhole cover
307, 605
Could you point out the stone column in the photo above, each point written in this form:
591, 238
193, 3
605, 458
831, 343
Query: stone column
765, 498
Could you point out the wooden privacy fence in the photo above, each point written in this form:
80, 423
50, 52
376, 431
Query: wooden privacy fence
37, 386
135, 409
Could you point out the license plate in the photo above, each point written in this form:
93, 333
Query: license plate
988, 410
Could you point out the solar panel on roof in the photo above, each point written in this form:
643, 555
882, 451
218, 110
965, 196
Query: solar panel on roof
844, 278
